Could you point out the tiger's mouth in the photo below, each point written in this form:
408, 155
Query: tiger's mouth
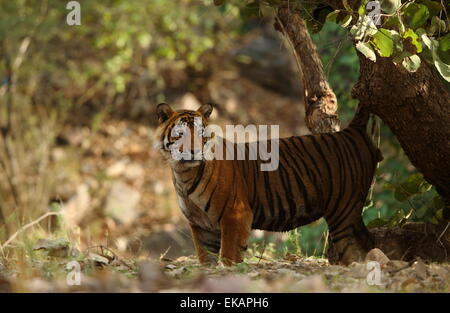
188, 163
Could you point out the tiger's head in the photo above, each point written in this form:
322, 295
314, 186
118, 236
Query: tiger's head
179, 136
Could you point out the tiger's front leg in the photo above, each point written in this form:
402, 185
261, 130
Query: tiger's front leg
235, 227
207, 244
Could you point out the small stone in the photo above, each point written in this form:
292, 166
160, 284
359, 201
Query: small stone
122, 203
117, 168
77, 207
134, 171
378, 256
421, 269
395, 265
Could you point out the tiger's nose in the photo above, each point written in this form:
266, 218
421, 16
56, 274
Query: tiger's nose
197, 153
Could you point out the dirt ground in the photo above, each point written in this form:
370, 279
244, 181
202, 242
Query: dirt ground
185, 274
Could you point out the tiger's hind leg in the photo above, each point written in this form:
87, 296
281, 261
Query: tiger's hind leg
207, 244
349, 238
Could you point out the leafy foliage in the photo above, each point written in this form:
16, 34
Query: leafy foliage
407, 29
394, 32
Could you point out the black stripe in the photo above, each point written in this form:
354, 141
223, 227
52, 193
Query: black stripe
208, 204
344, 217
213, 164
342, 173
314, 173
354, 148
197, 179
296, 171
330, 179
287, 186
228, 199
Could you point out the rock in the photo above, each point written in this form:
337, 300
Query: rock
122, 202
59, 247
159, 188
378, 256
410, 285
117, 169
77, 207
134, 171
420, 269
58, 154
396, 265
357, 270
152, 277
98, 259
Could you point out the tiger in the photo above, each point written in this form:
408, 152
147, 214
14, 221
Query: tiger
322, 175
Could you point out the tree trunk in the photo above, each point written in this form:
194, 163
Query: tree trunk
416, 107
320, 100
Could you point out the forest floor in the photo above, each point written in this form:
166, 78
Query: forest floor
109, 273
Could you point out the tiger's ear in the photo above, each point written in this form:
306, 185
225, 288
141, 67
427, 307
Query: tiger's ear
206, 109
164, 112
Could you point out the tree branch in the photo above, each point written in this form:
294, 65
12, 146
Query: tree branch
320, 100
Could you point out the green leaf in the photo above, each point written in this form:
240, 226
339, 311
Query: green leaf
390, 6
383, 42
333, 16
394, 22
444, 43
378, 222
444, 56
434, 7
414, 39
424, 37
437, 26
362, 8
250, 10
433, 45
443, 69
411, 63
416, 15
366, 49
438, 202
347, 20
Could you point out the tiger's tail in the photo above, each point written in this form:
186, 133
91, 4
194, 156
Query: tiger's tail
361, 117
360, 121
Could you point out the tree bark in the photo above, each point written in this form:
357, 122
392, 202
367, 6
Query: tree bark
416, 107
320, 100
